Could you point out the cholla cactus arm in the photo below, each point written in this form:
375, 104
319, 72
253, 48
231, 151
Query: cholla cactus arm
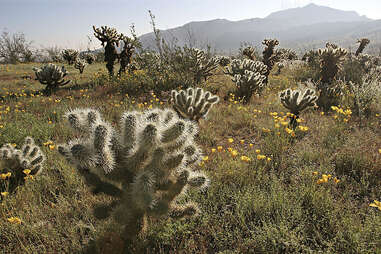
193, 103
363, 43
269, 55
29, 157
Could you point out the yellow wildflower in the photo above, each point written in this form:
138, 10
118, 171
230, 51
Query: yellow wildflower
4, 194
14, 220
315, 173
219, 148
234, 153
336, 180
269, 159
26, 171
213, 150
251, 145
376, 204
257, 151
230, 140
245, 158
242, 141
205, 158
261, 157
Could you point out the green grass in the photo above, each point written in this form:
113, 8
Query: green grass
259, 206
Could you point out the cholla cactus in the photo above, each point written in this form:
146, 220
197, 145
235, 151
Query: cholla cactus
152, 158
193, 104
223, 60
249, 52
126, 55
295, 103
90, 58
80, 64
20, 164
248, 75
331, 59
70, 55
51, 76
111, 38
269, 56
204, 66
280, 67
363, 43
286, 54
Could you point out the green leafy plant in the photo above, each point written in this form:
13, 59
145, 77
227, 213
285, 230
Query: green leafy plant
147, 165
193, 104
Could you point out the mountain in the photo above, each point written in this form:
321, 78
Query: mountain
300, 28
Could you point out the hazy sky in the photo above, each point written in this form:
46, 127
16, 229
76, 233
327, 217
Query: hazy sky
67, 23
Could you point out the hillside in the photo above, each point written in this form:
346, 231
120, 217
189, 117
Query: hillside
298, 28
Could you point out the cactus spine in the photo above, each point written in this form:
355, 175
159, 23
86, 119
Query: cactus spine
152, 157
193, 104
248, 75
24, 162
296, 102
51, 76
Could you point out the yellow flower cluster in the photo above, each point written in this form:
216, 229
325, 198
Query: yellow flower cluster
5, 176
50, 144
340, 111
14, 220
376, 204
324, 178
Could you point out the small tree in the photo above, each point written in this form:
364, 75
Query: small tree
15, 48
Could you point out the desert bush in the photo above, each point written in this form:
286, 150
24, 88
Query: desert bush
14, 48
152, 157
248, 75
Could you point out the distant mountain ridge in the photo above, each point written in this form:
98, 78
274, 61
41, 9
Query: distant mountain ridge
299, 28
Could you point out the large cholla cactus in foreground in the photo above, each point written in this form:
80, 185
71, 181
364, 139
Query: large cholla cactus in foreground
296, 101
70, 55
111, 38
51, 76
80, 64
331, 59
152, 158
269, 56
20, 163
363, 42
193, 104
248, 75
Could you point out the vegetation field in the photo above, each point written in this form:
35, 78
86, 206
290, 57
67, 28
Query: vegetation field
315, 189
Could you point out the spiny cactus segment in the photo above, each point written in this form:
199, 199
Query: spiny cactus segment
89, 57
193, 104
363, 43
152, 157
248, 75
249, 52
70, 55
51, 76
223, 60
21, 163
80, 64
296, 101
